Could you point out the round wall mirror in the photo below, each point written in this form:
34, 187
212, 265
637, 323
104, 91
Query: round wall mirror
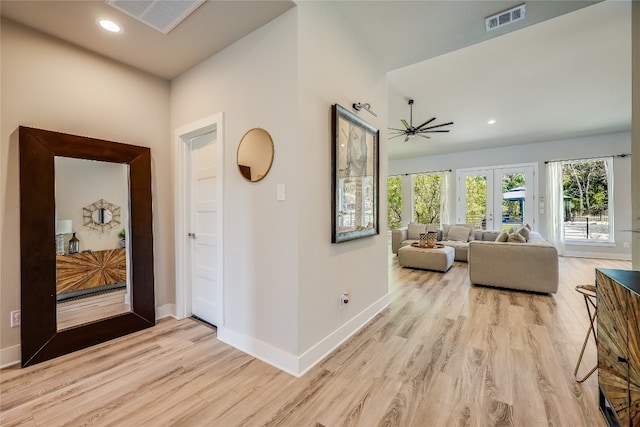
255, 154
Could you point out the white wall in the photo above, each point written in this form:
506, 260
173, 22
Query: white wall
601, 145
282, 276
335, 67
80, 183
52, 85
254, 83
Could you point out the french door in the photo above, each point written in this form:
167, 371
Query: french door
496, 198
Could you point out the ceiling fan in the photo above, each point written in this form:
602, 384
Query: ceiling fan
411, 131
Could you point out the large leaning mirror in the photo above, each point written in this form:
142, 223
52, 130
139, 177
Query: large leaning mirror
255, 154
46, 235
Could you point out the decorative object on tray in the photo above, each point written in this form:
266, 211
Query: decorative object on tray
432, 239
354, 187
423, 240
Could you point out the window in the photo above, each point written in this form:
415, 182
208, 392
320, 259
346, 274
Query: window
427, 198
588, 199
394, 207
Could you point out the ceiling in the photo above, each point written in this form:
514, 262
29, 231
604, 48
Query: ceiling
212, 27
564, 76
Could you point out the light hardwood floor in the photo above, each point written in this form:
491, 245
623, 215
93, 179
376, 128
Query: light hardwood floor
444, 353
78, 311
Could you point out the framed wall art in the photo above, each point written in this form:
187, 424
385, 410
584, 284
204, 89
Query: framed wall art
354, 190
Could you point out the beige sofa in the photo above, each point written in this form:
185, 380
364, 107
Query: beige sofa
530, 266
459, 243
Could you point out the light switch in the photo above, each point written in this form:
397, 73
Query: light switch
541, 211
280, 191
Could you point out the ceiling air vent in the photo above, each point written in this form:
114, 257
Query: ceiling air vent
161, 15
504, 18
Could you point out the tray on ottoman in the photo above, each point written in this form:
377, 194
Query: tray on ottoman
438, 258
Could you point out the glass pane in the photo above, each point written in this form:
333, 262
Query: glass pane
476, 209
513, 200
394, 207
427, 198
586, 200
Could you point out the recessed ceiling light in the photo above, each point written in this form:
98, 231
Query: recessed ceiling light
109, 25
491, 122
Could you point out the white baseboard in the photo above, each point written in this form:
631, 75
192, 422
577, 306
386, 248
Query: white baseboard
274, 356
299, 365
315, 354
10, 356
167, 310
601, 255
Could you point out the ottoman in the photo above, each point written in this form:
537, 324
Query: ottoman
438, 259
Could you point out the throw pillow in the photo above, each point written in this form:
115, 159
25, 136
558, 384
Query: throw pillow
414, 231
445, 231
447, 227
516, 238
524, 232
502, 237
432, 227
458, 233
472, 233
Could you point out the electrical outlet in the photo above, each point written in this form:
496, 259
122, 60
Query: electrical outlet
15, 318
344, 299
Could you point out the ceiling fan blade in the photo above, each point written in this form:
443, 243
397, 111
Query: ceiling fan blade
435, 130
437, 126
395, 136
425, 136
398, 130
406, 139
404, 122
426, 123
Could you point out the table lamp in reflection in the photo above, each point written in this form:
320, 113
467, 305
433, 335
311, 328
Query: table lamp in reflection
63, 226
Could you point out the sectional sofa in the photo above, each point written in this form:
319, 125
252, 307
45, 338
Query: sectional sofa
495, 258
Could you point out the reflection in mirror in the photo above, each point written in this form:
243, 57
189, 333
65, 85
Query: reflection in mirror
91, 285
102, 216
255, 154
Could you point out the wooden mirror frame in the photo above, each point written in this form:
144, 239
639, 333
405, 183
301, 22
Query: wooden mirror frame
40, 339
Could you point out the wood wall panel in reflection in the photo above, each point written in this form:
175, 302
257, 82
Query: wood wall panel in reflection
90, 269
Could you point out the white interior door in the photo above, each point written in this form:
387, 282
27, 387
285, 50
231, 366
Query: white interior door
496, 198
203, 221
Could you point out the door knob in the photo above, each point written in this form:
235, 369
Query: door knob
191, 235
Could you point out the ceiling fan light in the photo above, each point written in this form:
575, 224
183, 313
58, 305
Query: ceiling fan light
491, 122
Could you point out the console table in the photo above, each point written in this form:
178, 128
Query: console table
88, 270
618, 300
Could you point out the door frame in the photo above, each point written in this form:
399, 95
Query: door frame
461, 209
182, 181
